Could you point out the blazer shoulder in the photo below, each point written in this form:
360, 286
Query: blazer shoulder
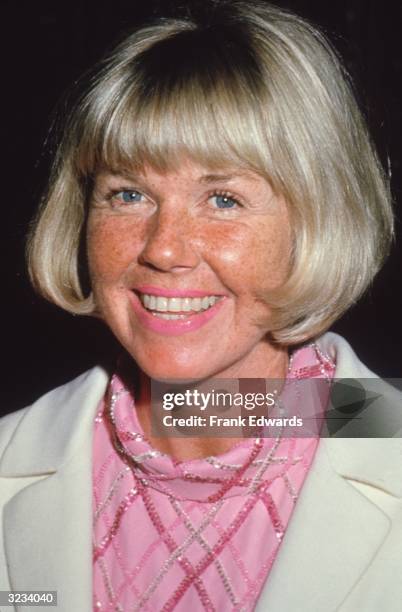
8, 424
41, 434
55, 396
348, 365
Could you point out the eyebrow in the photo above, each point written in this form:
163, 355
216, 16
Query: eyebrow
205, 178
126, 174
213, 178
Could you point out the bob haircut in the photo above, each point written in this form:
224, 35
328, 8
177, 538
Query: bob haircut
252, 86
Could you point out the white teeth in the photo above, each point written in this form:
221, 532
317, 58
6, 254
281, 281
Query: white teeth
168, 317
177, 304
205, 303
196, 304
186, 303
174, 305
161, 304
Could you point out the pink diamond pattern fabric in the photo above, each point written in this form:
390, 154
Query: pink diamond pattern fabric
191, 535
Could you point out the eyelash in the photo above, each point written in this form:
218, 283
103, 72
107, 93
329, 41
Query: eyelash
111, 195
226, 195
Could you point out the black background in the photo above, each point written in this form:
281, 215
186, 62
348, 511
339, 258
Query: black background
46, 46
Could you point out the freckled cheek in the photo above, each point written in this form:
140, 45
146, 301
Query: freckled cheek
251, 260
112, 247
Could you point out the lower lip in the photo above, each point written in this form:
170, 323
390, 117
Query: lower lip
174, 327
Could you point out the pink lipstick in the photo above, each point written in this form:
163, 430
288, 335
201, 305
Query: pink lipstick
188, 321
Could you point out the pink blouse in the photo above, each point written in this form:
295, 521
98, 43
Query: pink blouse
190, 535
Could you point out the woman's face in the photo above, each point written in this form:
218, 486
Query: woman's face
178, 261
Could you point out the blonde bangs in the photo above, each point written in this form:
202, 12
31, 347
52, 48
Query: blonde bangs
212, 116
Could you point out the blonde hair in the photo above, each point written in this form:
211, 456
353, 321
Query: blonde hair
256, 87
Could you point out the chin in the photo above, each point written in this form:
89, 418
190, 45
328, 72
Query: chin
167, 371
176, 374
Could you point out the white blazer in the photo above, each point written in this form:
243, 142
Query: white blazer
342, 550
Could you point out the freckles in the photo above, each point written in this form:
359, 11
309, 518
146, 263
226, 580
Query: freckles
252, 257
226, 244
112, 244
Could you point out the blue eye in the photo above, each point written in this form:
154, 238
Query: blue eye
225, 201
129, 196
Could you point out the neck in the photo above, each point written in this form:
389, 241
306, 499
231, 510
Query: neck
185, 449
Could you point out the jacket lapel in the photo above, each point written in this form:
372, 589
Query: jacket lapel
48, 522
48, 538
332, 538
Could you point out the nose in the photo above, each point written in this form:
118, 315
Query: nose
170, 242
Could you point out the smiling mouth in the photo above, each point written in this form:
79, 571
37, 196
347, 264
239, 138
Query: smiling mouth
174, 308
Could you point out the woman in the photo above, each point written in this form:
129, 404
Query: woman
232, 207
